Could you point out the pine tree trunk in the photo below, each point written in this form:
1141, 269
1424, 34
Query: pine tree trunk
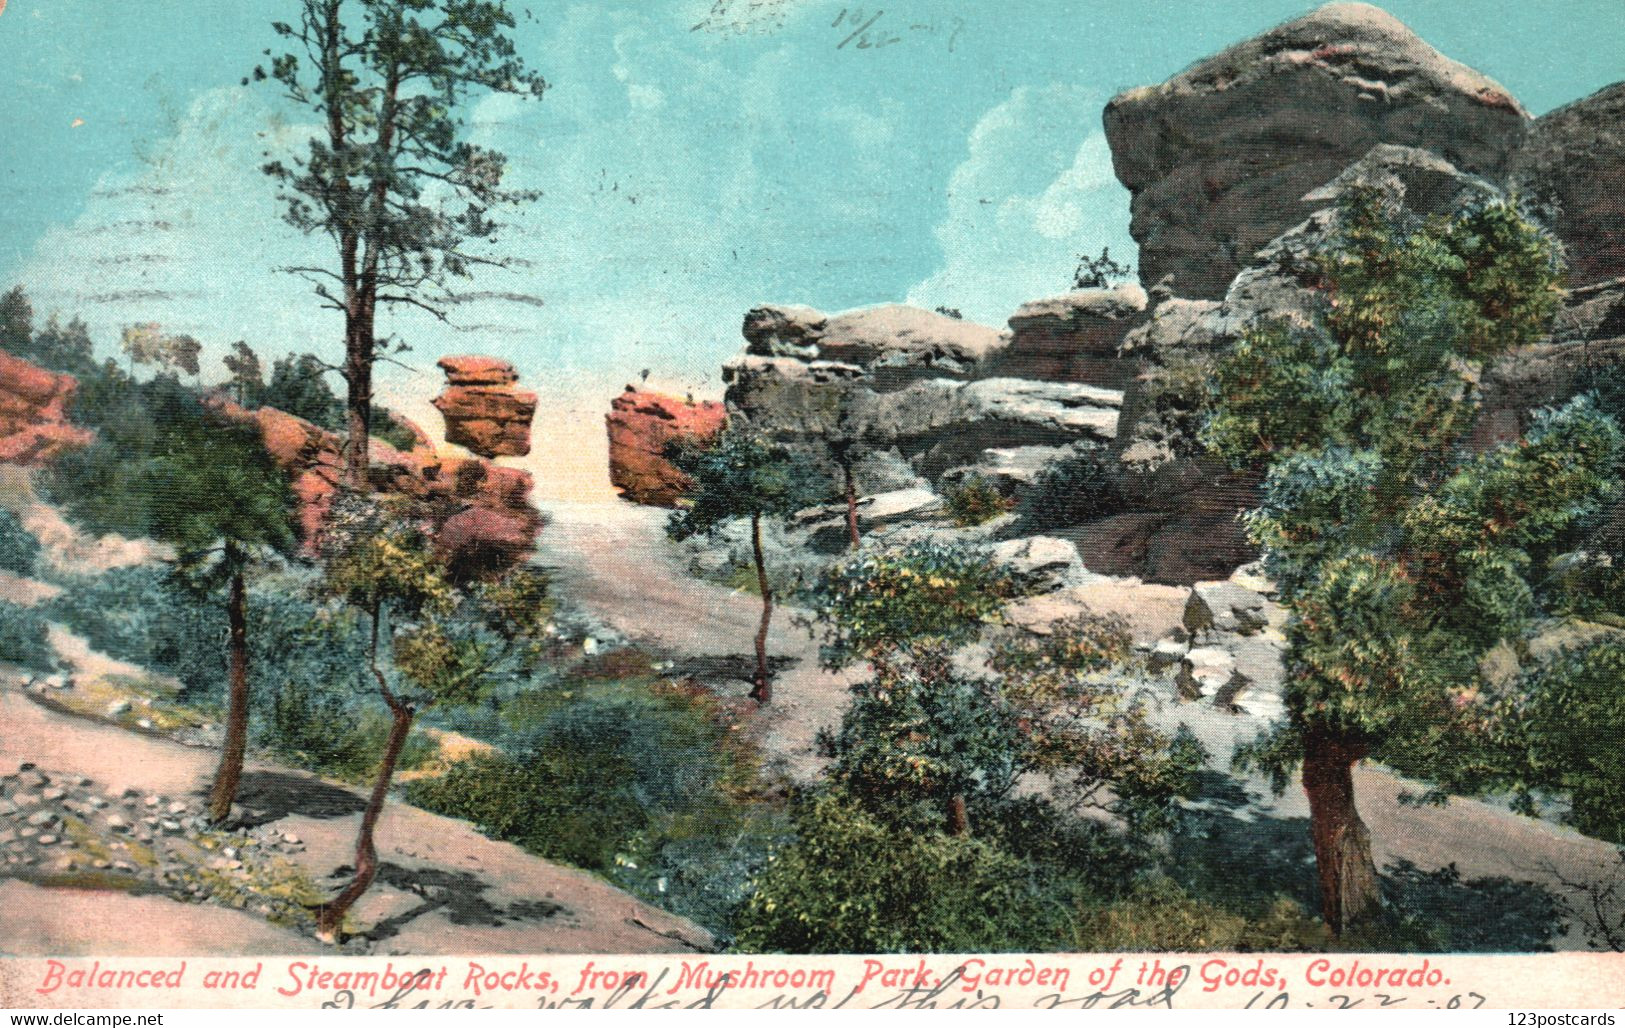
1348, 875
852, 508
358, 402
366, 852
763, 692
230, 771
958, 816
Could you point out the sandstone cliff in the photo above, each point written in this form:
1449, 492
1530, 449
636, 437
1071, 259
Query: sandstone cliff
34, 404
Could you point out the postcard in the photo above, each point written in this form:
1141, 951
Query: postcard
785, 504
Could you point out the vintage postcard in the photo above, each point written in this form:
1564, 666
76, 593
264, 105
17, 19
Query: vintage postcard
786, 503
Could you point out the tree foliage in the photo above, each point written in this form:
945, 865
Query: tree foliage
1401, 557
393, 179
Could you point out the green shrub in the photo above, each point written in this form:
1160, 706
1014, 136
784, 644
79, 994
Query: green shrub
1566, 728
851, 884
341, 736
975, 501
18, 549
388, 427
23, 638
638, 781
1073, 491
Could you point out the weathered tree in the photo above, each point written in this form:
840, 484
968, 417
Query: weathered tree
208, 488
1401, 557
444, 644
736, 475
392, 179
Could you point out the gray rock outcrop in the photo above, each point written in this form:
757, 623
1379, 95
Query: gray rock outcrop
1573, 161
1219, 157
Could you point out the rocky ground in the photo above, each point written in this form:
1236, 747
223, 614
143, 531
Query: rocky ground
104, 851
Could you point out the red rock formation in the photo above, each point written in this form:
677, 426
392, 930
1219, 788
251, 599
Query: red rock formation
34, 426
641, 426
479, 514
482, 409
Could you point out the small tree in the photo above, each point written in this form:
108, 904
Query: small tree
919, 729
449, 644
16, 322
246, 376
392, 179
739, 476
1077, 725
298, 387
1099, 272
1401, 557
208, 488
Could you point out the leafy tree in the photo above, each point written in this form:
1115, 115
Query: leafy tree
16, 322
851, 883
1401, 557
739, 476
298, 387
1099, 272
56, 346
393, 179
146, 343
247, 378
919, 729
449, 644
1078, 727
1563, 723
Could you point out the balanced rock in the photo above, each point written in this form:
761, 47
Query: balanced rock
1220, 156
642, 426
34, 403
482, 409
478, 513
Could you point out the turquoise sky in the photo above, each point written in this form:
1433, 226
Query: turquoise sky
688, 173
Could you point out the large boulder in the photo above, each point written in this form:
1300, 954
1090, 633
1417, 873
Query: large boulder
482, 409
34, 403
642, 426
907, 383
1219, 158
894, 344
1072, 338
1573, 160
478, 513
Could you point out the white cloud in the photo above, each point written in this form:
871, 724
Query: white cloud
1035, 190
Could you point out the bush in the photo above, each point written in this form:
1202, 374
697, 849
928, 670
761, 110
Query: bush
850, 884
1566, 727
1073, 491
23, 638
18, 549
914, 597
975, 501
639, 782
341, 736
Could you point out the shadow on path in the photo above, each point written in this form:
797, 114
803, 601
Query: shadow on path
460, 894
1229, 852
266, 796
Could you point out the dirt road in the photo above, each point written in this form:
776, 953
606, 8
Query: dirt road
613, 559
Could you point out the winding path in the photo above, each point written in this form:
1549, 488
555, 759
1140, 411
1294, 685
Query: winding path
613, 560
